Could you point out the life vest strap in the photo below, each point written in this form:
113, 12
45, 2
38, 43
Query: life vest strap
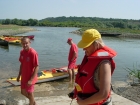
85, 95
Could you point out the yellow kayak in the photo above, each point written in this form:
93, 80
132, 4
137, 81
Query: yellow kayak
10, 40
16, 42
46, 75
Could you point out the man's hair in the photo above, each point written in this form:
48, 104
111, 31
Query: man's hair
24, 38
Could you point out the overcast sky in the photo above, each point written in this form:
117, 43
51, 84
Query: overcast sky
40, 9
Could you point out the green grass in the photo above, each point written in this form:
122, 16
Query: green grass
13, 27
105, 30
113, 30
133, 73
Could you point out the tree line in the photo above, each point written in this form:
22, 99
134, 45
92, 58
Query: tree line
80, 22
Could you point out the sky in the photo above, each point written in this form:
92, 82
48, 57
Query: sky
40, 9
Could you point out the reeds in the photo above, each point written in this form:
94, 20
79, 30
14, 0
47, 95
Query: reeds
133, 74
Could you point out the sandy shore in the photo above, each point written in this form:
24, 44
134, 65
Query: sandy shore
12, 96
56, 93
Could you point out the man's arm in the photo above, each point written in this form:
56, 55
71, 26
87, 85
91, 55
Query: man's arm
19, 74
33, 75
74, 56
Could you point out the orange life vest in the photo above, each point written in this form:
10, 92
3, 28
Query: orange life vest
85, 86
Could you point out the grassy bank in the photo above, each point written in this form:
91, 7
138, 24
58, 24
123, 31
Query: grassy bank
14, 29
115, 30
129, 33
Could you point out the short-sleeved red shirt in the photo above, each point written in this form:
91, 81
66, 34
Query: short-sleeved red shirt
29, 60
73, 49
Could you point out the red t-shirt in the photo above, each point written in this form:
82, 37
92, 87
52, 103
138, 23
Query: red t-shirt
29, 60
73, 49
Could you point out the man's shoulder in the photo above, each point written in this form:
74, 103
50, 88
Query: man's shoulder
74, 45
32, 50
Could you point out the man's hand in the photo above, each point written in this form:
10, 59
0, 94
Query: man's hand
71, 95
29, 82
80, 101
18, 78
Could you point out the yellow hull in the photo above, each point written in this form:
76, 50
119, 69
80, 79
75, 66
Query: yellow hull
46, 75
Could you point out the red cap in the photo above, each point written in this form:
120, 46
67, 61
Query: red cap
69, 39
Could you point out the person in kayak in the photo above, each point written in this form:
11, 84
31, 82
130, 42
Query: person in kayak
93, 80
28, 69
72, 58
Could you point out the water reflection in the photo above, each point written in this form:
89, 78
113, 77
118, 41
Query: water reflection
5, 48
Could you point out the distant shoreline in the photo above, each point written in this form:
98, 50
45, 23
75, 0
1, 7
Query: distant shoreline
14, 30
124, 35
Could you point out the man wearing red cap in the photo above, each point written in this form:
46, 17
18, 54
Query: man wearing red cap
73, 54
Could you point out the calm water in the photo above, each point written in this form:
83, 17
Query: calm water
50, 43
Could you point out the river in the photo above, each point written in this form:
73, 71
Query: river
51, 45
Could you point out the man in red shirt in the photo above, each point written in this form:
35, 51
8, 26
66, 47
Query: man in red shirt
73, 54
28, 70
